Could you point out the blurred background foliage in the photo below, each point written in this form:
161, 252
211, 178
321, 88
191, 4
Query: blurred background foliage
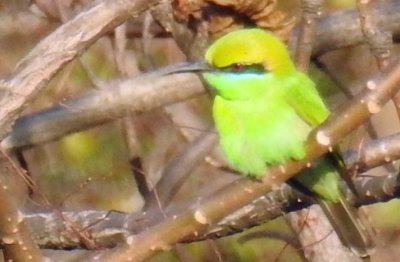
94, 169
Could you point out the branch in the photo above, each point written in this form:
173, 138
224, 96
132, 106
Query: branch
379, 41
342, 29
16, 239
311, 11
138, 94
163, 13
111, 228
179, 168
60, 47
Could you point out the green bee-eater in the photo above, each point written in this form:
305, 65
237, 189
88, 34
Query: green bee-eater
264, 110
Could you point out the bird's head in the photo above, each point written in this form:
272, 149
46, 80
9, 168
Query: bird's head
246, 63
249, 48
243, 64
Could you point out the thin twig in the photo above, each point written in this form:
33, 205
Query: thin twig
119, 49
379, 40
179, 168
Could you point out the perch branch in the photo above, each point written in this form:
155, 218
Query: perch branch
111, 228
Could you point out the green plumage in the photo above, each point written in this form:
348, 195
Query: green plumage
264, 110
264, 116
254, 131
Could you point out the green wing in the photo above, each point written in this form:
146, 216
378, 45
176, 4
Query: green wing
304, 98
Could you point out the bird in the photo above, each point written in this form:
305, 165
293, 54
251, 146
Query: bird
264, 110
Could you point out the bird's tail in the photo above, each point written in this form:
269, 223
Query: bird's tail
348, 226
323, 180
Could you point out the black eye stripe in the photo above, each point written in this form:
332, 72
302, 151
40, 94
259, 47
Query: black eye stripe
237, 67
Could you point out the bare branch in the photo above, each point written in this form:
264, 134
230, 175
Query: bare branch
312, 9
341, 29
163, 13
16, 239
137, 94
179, 168
380, 41
111, 228
60, 47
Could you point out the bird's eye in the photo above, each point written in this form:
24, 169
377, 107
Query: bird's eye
237, 67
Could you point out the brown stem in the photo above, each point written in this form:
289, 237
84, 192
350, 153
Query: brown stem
179, 168
379, 40
98, 106
16, 239
311, 10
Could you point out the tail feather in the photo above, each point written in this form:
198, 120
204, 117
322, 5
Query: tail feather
337, 160
347, 225
323, 180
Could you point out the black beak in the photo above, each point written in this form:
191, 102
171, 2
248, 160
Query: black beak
190, 67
